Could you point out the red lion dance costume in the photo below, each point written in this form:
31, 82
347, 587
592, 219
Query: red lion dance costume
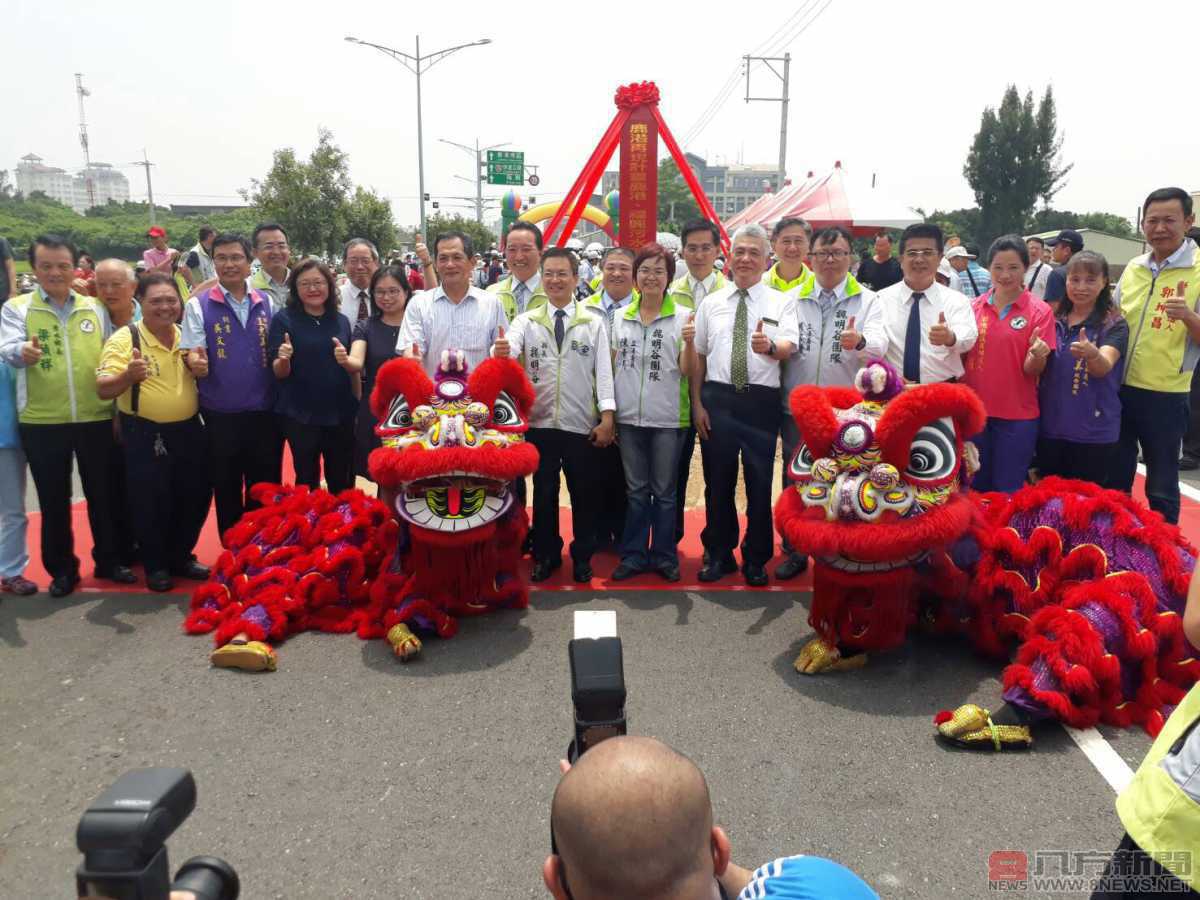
309, 560
1088, 585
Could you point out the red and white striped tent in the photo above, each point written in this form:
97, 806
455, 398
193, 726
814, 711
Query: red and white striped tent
832, 199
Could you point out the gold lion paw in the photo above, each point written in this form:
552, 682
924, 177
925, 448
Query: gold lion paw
404, 643
972, 726
818, 656
249, 656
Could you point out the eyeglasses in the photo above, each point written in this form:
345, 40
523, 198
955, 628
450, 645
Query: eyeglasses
359, 260
827, 255
658, 273
274, 245
924, 253
390, 292
311, 285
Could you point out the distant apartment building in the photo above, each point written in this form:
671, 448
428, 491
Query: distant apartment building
731, 188
70, 189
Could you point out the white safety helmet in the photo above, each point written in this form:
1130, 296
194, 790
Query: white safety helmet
575, 244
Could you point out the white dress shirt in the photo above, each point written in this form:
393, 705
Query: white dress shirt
701, 289
348, 301
435, 323
937, 363
714, 331
1036, 276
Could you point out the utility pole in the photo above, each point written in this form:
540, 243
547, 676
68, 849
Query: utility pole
418, 65
477, 152
82, 92
146, 164
782, 100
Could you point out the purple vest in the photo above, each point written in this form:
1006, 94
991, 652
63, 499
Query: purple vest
239, 376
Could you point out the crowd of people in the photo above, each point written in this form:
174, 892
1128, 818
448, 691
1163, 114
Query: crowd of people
215, 363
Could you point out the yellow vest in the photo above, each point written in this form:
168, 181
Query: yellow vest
1155, 810
801, 285
1161, 356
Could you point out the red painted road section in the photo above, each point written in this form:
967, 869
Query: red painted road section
690, 552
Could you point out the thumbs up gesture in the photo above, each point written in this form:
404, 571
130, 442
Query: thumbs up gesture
501, 349
31, 352
1038, 348
1176, 306
198, 362
940, 334
137, 370
759, 342
689, 328
850, 338
339, 352
1082, 348
285, 349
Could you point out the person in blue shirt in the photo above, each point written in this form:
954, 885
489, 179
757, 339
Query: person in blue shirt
309, 342
14, 554
633, 819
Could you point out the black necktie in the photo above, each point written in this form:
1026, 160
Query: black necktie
363, 312
912, 341
560, 328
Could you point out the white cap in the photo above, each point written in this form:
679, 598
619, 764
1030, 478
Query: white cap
958, 251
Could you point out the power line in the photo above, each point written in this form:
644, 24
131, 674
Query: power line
790, 38
761, 49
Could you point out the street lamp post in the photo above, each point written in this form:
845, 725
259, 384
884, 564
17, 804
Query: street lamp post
418, 64
477, 154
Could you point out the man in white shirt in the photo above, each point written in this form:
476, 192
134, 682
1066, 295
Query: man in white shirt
928, 326
701, 241
454, 315
742, 334
566, 356
361, 260
1039, 271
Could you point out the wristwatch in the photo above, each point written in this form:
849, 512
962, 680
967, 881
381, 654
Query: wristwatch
771, 349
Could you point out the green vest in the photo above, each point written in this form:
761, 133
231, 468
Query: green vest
61, 387
1155, 809
504, 290
681, 290
1161, 355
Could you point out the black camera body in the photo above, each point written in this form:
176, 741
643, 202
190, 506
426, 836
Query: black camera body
123, 835
597, 692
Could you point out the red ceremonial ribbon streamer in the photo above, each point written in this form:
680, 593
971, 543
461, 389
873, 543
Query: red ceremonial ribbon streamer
607, 142
689, 177
593, 177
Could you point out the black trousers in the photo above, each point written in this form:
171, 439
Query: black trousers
312, 443
575, 457
1071, 459
122, 520
49, 449
1191, 440
1133, 874
610, 472
244, 449
687, 448
744, 423
168, 488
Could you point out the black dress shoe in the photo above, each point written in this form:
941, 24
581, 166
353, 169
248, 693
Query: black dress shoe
1188, 463
716, 569
624, 572
159, 581
119, 574
795, 564
191, 570
756, 576
61, 585
582, 573
543, 570
669, 572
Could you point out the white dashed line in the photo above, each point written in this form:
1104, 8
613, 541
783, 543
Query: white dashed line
1101, 755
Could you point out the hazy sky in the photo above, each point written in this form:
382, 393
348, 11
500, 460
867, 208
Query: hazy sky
211, 89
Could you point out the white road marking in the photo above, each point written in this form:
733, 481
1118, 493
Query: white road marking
595, 623
1184, 488
1101, 755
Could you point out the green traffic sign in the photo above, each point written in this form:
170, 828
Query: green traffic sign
506, 167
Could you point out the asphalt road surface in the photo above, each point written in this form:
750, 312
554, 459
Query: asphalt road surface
348, 774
